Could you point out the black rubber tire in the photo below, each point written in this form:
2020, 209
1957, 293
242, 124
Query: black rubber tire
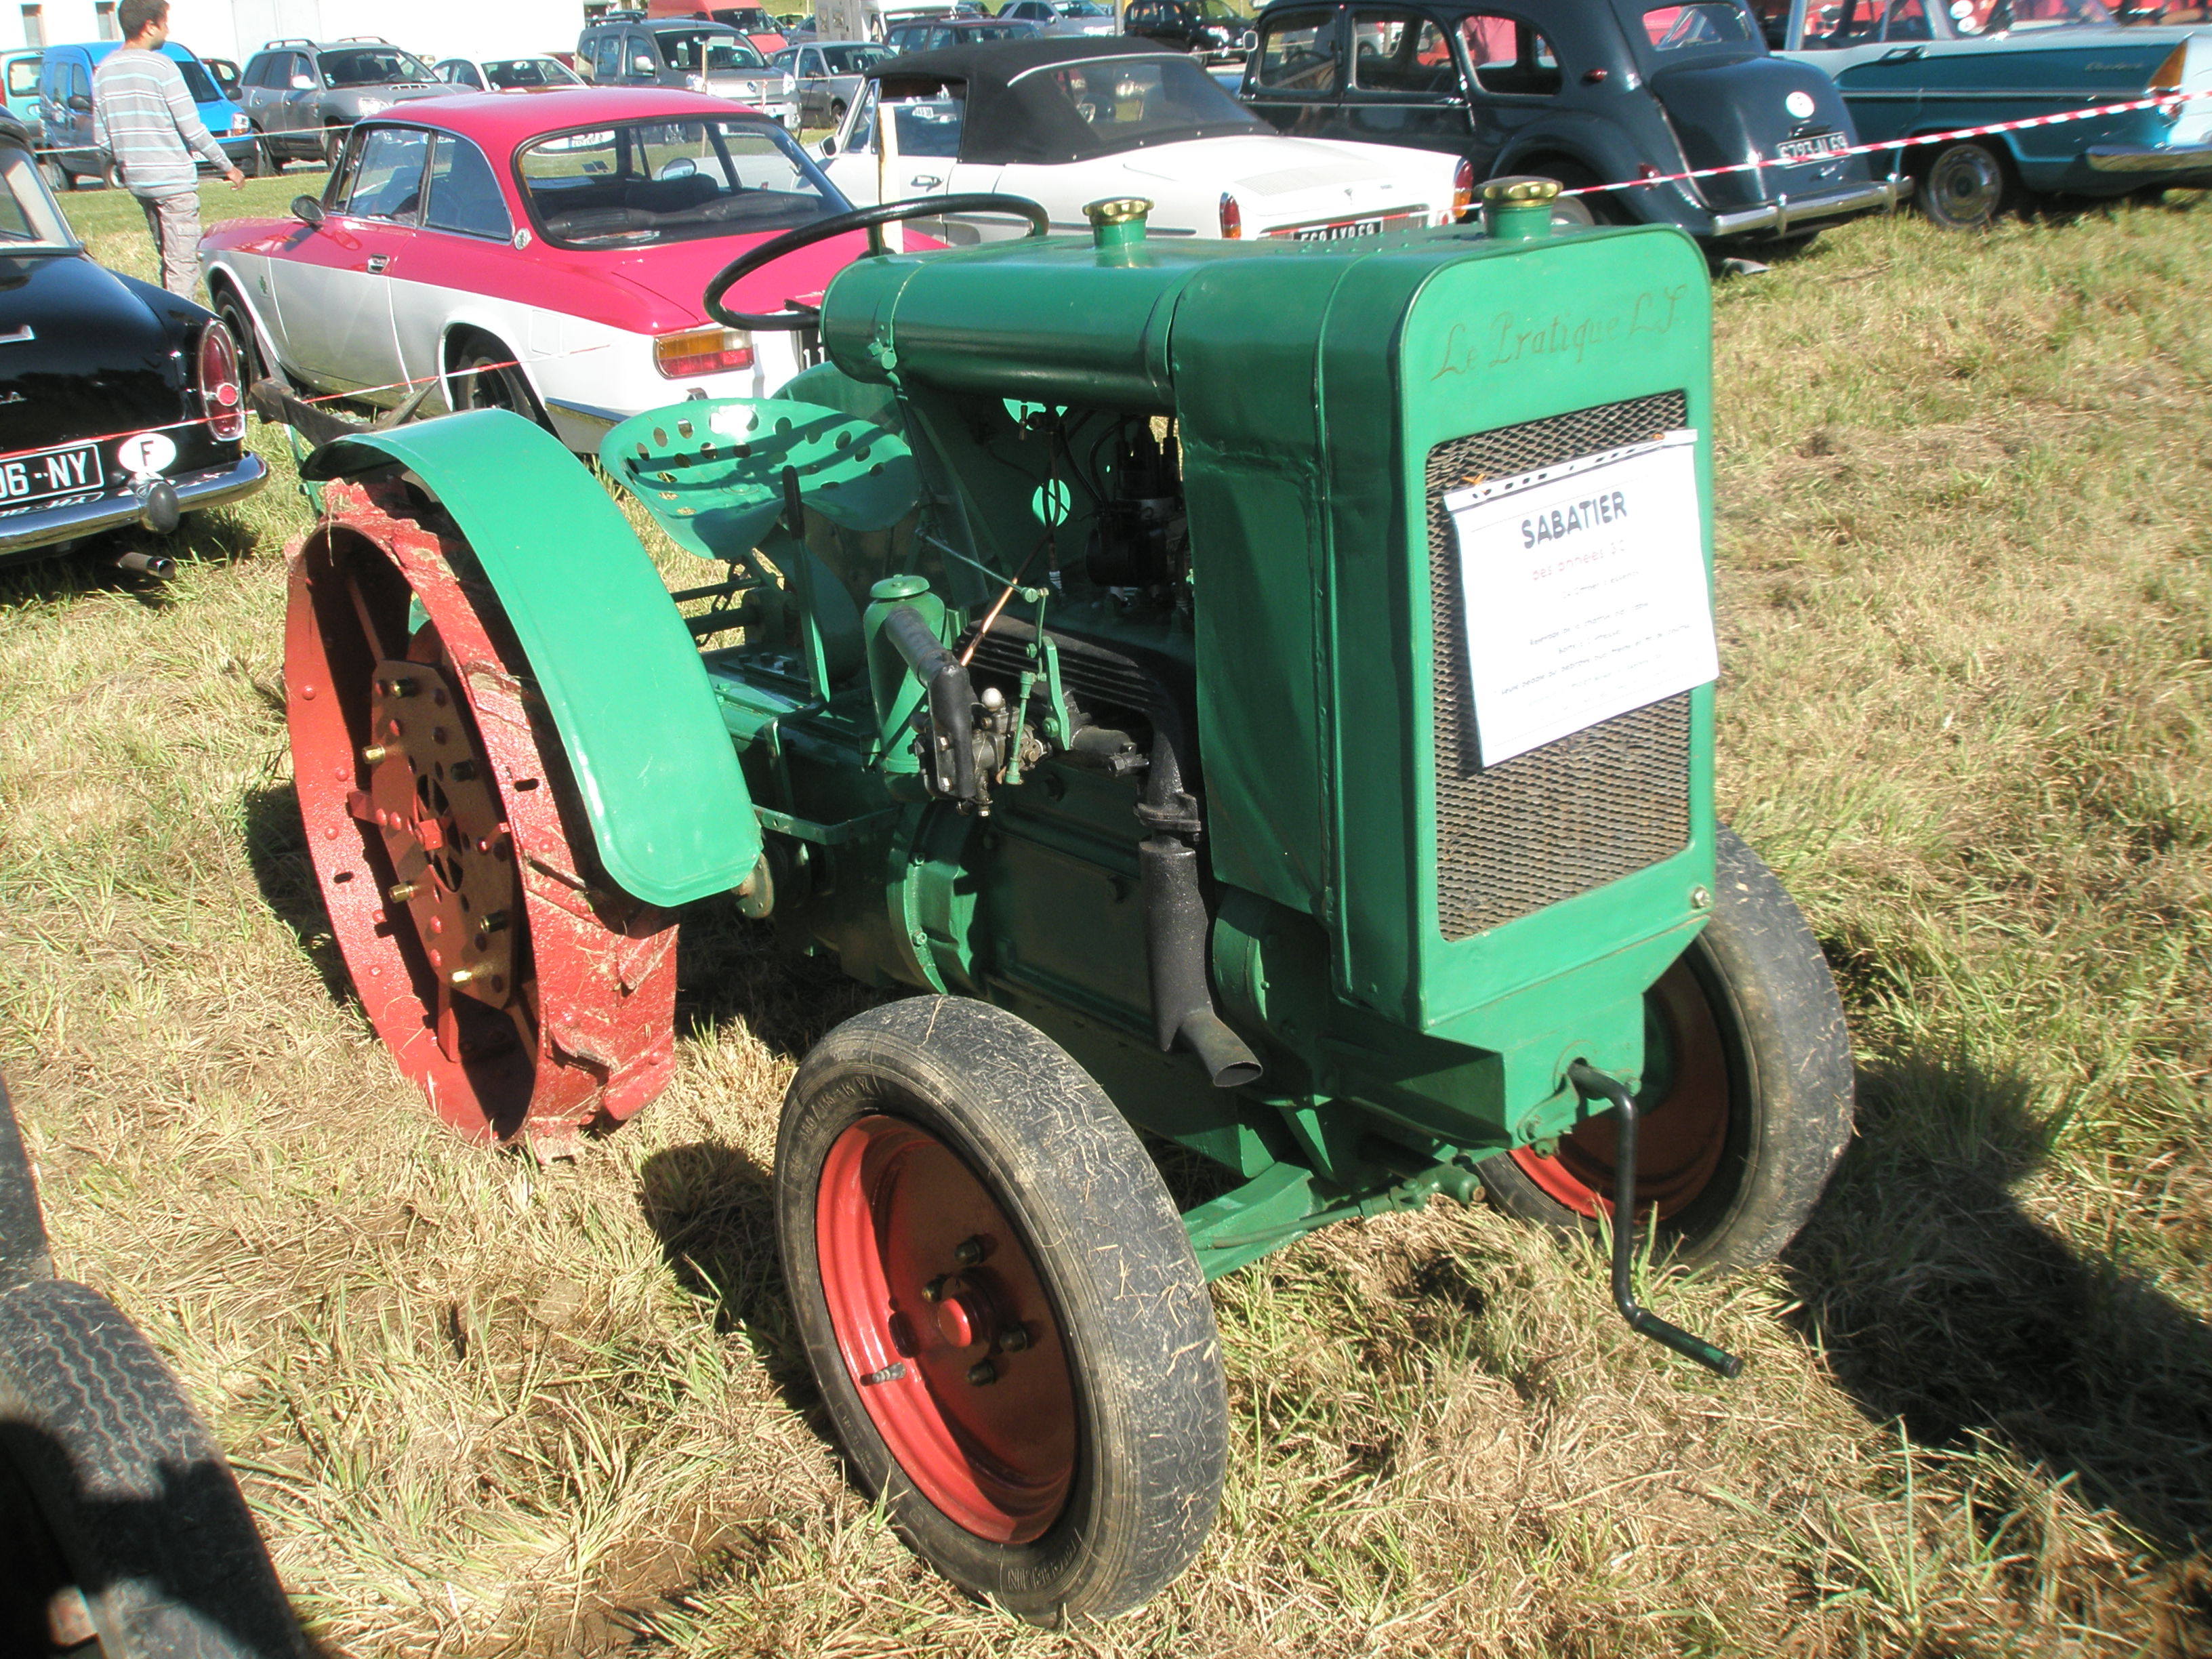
250, 163
1966, 186
1136, 1321
130, 1485
24, 1255
476, 387
1790, 1088
232, 310
334, 140
111, 176
1606, 210
58, 177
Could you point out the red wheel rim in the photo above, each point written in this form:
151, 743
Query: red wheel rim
927, 1282
564, 1011
1679, 1139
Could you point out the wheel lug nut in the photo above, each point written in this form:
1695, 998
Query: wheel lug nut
934, 1289
400, 891
491, 921
968, 1252
1014, 1338
373, 754
982, 1371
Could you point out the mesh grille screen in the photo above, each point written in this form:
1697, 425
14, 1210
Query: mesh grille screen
1573, 815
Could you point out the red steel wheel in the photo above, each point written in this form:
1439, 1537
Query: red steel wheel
1001, 1307
934, 1294
525, 999
1682, 1133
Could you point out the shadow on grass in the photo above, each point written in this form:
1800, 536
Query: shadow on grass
276, 849
215, 537
1942, 1304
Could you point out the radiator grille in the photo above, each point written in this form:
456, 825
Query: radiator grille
1594, 807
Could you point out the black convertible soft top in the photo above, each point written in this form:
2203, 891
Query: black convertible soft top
1014, 113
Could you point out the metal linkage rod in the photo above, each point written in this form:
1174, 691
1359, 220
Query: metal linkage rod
1593, 1084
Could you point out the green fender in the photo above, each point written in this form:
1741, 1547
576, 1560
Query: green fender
617, 669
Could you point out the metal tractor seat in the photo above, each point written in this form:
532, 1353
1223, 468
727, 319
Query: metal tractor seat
729, 478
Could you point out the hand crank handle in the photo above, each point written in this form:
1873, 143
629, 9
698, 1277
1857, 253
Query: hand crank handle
1593, 1084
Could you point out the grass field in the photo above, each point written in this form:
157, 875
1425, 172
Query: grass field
1965, 549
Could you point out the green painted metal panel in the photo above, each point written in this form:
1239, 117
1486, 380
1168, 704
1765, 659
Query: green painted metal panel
668, 805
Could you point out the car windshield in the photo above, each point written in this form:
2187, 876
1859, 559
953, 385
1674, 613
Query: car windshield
371, 66
1130, 102
508, 73
708, 52
199, 85
1713, 23
672, 181
852, 60
1219, 11
30, 220
1014, 31
1083, 9
747, 17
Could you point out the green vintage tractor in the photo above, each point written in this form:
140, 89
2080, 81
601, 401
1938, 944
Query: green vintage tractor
1253, 699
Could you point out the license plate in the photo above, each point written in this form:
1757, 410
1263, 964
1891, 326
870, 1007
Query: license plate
1818, 144
1338, 233
65, 472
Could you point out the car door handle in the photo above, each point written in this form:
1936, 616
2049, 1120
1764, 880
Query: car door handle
377, 263
1903, 54
925, 181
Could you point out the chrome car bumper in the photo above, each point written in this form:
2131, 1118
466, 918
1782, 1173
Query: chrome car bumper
1783, 214
32, 527
2149, 158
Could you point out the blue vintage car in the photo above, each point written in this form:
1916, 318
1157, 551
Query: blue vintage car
1912, 68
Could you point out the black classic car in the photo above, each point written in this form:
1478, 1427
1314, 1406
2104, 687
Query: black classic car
1588, 92
119, 403
1212, 30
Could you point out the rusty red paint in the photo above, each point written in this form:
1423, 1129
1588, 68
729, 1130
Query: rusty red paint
586, 1034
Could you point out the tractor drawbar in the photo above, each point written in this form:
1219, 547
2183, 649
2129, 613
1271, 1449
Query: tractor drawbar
1593, 1084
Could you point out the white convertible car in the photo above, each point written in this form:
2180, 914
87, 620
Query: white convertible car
1067, 121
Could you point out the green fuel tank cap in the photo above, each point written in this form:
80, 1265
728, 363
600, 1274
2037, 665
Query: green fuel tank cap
1116, 222
1517, 208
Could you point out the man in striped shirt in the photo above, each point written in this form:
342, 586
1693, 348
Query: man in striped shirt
142, 116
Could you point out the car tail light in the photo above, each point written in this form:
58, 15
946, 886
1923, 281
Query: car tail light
1232, 218
1462, 190
701, 351
222, 399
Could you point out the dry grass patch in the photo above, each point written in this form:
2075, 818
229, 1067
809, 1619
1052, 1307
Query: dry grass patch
483, 1409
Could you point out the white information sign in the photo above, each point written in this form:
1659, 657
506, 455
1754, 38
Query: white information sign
1585, 592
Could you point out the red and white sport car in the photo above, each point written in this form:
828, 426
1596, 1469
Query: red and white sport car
542, 250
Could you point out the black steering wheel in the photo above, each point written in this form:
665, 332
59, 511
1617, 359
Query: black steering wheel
868, 219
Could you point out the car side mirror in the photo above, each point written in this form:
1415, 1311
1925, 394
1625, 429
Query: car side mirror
829, 148
307, 209
81, 104
303, 83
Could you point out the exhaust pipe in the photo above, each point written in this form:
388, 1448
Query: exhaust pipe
147, 564
1175, 925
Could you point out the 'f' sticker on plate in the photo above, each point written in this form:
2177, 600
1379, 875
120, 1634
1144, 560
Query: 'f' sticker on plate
1585, 592
148, 453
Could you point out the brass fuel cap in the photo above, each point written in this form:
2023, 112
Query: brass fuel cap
1517, 189
1120, 210
1117, 222
1517, 208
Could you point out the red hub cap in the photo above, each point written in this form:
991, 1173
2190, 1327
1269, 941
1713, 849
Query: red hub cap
946, 1328
1680, 1138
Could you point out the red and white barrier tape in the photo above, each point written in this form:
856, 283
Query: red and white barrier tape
2164, 101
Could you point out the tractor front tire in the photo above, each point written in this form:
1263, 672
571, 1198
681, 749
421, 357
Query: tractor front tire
1002, 1309
135, 1527
1756, 1105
